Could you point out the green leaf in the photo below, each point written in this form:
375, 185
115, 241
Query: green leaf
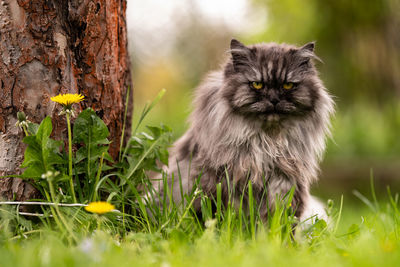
32, 152
353, 231
42, 152
146, 150
44, 131
33, 170
33, 128
163, 155
95, 153
91, 132
89, 128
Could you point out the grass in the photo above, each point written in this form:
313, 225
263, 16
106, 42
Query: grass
363, 235
144, 233
363, 238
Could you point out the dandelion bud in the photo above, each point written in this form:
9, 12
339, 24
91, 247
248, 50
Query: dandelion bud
21, 116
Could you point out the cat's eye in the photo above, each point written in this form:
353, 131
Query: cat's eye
288, 86
257, 85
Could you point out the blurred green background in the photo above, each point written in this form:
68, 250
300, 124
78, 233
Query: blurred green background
173, 44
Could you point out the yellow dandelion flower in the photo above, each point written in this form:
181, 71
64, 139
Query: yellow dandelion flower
67, 99
99, 207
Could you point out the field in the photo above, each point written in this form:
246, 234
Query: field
360, 237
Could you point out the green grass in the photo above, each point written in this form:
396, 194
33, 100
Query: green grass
363, 238
362, 234
143, 233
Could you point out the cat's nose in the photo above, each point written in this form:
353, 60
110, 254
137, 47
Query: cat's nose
274, 101
273, 97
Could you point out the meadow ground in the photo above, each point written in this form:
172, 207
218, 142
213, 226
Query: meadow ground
356, 236
139, 233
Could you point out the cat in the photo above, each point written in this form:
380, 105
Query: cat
264, 117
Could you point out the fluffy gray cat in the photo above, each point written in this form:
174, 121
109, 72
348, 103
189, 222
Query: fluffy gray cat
263, 117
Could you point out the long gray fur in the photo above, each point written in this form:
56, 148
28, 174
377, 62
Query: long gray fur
237, 131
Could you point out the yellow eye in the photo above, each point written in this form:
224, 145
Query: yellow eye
288, 86
257, 85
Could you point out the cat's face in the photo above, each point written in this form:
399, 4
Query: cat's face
271, 82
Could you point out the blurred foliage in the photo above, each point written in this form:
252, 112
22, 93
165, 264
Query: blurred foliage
362, 132
197, 46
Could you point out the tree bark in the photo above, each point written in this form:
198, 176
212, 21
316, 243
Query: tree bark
50, 47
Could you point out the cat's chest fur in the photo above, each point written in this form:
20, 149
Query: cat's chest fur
260, 158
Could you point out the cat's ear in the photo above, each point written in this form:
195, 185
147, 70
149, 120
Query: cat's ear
240, 54
306, 52
237, 45
308, 47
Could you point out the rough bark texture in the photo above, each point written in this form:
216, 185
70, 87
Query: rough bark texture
58, 46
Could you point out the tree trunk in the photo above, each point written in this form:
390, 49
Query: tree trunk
59, 46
